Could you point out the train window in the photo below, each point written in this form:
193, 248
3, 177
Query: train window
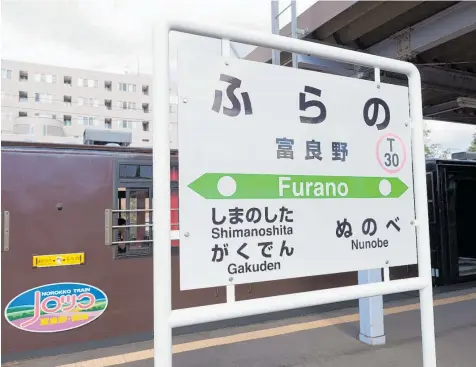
134, 215
145, 172
135, 171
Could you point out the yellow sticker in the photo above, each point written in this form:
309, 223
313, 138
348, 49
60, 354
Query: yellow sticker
46, 261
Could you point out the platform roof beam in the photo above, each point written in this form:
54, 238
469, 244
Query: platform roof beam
436, 30
375, 17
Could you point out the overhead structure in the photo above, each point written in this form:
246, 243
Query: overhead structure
437, 36
295, 31
445, 26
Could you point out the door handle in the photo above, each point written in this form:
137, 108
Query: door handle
5, 231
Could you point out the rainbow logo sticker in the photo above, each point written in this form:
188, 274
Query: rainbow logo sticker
56, 307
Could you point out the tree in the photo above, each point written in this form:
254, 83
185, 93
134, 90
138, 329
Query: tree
472, 146
433, 150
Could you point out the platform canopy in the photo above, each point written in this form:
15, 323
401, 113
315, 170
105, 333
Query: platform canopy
437, 36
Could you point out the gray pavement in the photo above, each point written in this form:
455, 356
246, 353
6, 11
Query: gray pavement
338, 346
333, 346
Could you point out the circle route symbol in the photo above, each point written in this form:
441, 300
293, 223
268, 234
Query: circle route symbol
385, 187
226, 186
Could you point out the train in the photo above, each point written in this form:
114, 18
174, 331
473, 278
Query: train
67, 199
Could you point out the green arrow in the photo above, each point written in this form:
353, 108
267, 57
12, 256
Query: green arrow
270, 186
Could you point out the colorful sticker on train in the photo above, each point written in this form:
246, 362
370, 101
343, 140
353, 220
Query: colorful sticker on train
56, 307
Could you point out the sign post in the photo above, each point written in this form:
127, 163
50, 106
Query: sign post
371, 314
287, 173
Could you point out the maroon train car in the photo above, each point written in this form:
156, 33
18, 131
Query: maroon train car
56, 197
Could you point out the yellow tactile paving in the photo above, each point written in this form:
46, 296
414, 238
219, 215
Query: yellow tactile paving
258, 334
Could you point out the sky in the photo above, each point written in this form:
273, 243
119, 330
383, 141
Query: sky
116, 35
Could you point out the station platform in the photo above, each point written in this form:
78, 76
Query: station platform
325, 339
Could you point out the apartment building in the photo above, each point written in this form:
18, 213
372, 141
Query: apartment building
49, 102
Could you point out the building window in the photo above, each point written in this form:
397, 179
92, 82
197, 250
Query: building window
23, 96
126, 124
127, 87
43, 98
67, 101
67, 120
45, 116
108, 104
108, 123
89, 83
145, 125
108, 85
126, 105
23, 76
6, 74
145, 107
93, 102
45, 78
22, 114
145, 90
68, 81
86, 120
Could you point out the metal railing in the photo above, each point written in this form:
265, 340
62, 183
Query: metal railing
111, 229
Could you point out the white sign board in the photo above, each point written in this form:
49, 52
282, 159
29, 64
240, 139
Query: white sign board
289, 173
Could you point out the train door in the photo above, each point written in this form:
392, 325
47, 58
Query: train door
55, 199
461, 201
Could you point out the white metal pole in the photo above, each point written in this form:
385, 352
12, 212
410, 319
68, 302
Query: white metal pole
289, 44
377, 75
422, 227
225, 311
294, 56
371, 315
161, 198
226, 51
225, 48
275, 54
